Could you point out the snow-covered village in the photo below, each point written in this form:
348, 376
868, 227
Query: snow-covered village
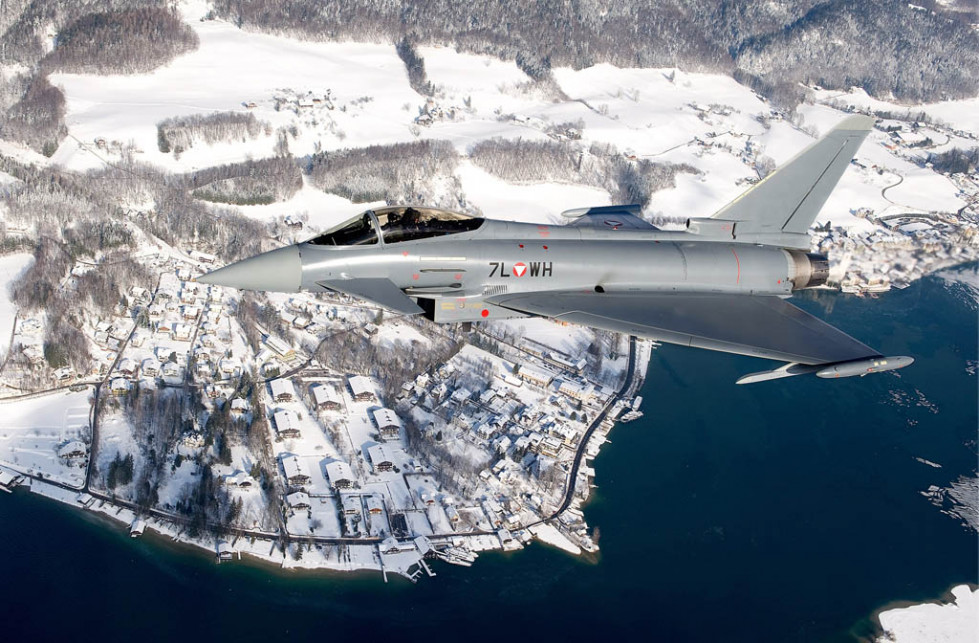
317, 431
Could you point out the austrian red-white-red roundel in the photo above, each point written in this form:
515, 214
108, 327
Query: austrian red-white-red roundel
519, 269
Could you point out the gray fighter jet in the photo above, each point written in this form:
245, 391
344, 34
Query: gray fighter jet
719, 284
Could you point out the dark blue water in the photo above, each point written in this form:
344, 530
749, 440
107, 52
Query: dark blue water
784, 511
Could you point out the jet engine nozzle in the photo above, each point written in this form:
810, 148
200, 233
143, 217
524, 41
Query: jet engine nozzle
807, 270
279, 270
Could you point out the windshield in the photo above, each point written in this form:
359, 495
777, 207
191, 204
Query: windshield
411, 224
358, 231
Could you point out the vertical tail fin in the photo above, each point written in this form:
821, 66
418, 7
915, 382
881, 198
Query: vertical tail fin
787, 201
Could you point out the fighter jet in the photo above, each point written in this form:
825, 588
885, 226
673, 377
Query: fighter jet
721, 283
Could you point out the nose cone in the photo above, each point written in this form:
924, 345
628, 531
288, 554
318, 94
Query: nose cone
277, 271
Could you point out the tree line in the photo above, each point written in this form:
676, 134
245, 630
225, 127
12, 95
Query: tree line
889, 47
601, 166
181, 133
399, 173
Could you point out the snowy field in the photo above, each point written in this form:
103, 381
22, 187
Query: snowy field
657, 114
953, 622
33, 430
11, 267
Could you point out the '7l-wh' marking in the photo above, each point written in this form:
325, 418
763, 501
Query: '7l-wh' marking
535, 268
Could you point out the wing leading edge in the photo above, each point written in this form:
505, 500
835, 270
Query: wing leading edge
767, 327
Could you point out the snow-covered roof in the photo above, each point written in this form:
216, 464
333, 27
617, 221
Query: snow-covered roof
298, 499
379, 453
282, 388
339, 470
386, 418
293, 467
324, 394
361, 385
286, 420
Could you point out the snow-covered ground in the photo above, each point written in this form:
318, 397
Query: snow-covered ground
952, 622
11, 267
704, 120
34, 430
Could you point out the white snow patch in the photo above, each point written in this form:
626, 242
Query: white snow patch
934, 622
550, 535
11, 267
536, 203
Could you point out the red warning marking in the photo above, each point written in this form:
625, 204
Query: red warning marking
415, 276
739, 264
404, 253
457, 276
485, 313
543, 230
519, 269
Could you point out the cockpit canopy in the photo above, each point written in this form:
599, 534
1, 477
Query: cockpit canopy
396, 224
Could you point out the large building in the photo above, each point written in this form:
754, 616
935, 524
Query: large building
326, 397
287, 424
361, 388
295, 471
283, 391
340, 475
388, 423
381, 458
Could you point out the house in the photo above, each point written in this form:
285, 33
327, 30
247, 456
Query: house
374, 505
224, 551
150, 367
239, 479
326, 397
283, 391
350, 504
287, 424
380, 458
228, 366
361, 388
280, 348
387, 423
119, 386
240, 406
298, 500
295, 471
137, 527
390, 545
182, 332
127, 367
536, 376
339, 474
72, 450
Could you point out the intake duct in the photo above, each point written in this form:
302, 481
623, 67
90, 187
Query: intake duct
807, 270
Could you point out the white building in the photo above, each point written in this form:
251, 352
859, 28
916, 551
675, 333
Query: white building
381, 458
295, 471
326, 397
340, 475
283, 391
361, 388
388, 423
287, 424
